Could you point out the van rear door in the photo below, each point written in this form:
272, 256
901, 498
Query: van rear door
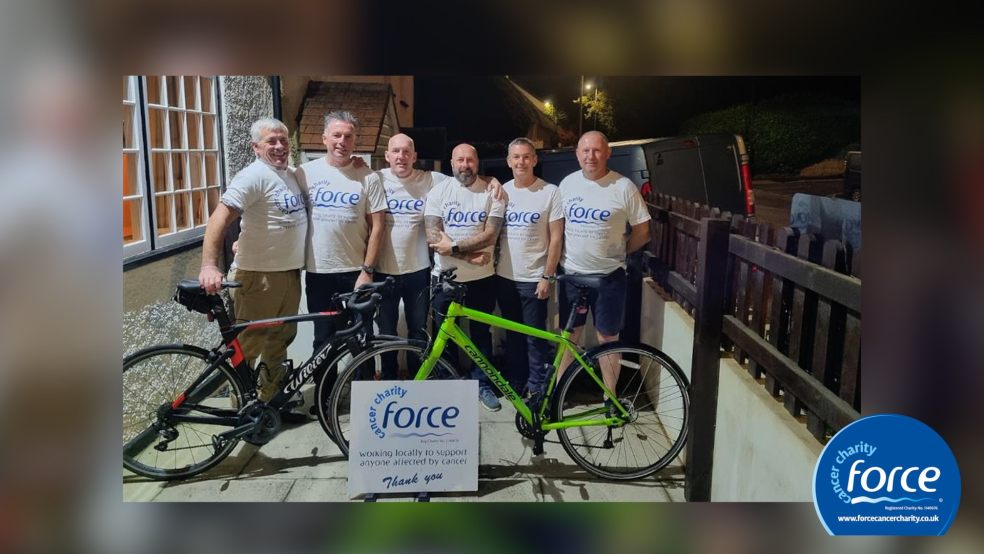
722, 172
675, 169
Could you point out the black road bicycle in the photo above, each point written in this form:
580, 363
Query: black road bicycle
185, 408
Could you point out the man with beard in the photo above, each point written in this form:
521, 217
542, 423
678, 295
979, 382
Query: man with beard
462, 218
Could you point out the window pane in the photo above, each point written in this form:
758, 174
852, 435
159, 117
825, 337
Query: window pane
213, 198
194, 130
189, 93
211, 169
159, 172
132, 221
173, 91
208, 125
176, 123
163, 214
131, 179
182, 211
196, 176
153, 89
206, 83
128, 138
198, 205
179, 176
155, 128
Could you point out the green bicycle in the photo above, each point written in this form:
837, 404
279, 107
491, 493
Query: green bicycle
620, 409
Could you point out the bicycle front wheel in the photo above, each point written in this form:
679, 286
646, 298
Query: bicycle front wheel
368, 366
156, 443
654, 392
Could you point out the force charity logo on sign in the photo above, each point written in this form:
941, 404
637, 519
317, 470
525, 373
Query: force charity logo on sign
413, 436
886, 475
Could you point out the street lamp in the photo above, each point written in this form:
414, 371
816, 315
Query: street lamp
589, 86
580, 108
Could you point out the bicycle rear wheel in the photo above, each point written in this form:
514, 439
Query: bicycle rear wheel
157, 446
654, 391
367, 366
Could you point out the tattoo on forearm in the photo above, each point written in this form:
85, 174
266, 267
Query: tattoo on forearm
433, 226
486, 238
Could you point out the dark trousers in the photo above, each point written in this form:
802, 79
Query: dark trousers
481, 297
319, 287
527, 357
412, 289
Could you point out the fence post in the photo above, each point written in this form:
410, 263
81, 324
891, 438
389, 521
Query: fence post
711, 283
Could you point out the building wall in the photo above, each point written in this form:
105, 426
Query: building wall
761, 453
149, 315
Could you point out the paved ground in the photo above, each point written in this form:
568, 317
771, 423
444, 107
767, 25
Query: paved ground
773, 198
302, 465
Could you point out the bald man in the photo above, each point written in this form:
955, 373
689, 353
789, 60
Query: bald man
463, 220
599, 207
403, 253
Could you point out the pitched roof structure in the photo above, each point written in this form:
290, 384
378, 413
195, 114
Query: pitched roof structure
369, 102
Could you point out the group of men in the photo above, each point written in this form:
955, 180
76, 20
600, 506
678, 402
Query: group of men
347, 225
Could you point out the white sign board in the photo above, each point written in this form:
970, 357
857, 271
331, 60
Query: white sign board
413, 436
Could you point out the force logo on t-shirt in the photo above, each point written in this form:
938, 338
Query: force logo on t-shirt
455, 217
517, 219
325, 198
288, 202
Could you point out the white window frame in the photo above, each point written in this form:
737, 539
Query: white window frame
147, 151
133, 102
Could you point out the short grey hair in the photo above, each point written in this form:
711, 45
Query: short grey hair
521, 140
266, 124
343, 116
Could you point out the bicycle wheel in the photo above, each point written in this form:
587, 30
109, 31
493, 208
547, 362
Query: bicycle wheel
654, 391
155, 444
366, 367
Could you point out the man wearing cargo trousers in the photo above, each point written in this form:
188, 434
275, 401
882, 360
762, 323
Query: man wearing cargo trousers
270, 252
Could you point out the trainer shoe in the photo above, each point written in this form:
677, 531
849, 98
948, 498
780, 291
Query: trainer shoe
487, 397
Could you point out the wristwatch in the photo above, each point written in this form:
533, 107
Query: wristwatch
454, 247
549, 278
369, 269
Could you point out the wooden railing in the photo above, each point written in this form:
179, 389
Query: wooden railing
786, 306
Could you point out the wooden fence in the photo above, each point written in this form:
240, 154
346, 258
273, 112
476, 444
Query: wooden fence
786, 306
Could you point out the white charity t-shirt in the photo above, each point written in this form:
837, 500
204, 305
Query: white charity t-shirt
340, 199
404, 249
597, 214
274, 218
524, 240
464, 211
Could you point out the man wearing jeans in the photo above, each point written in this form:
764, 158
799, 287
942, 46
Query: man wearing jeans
347, 205
529, 249
270, 251
403, 253
463, 221
605, 218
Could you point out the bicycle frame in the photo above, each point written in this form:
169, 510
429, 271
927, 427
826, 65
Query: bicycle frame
450, 331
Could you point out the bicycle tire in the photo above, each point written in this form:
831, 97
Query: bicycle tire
328, 378
153, 378
656, 430
366, 366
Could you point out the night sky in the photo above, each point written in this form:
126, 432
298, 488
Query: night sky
469, 106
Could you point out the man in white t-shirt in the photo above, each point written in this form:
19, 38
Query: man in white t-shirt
270, 251
529, 249
463, 220
347, 206
599, 205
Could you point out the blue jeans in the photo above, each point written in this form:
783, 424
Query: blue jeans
527, 357
481, 297
412, 289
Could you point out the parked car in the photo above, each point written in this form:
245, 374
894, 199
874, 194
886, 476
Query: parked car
852, 175
710, 169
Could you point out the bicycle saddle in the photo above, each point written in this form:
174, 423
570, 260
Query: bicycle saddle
582, 281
